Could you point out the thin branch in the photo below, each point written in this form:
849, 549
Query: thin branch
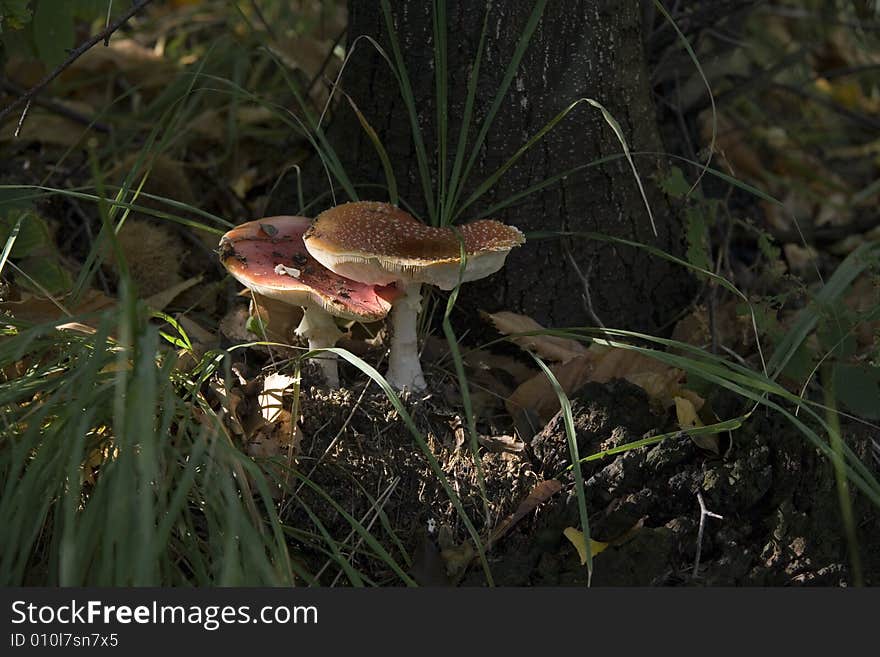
21, 120
704, 513
585, 281
326, 61
57, 108
263, 20
107, 23
75, 54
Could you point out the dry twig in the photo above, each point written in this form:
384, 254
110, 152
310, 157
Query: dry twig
75, 54
704, 513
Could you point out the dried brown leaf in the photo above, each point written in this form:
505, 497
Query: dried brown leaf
546, 346
39, 310
161, 299
538, 394
614, 363
279, 319
542, 492
141, 66
599, 364
195, 331
502, 444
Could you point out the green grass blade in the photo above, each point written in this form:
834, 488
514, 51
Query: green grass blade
420, 441
571, 437
10, 242
843, 497
863, 257
409, 101
473, 78
368, 538
463, 386
660, 253
702, 74
509, 73
490, 182
708, 430
441, 65
380, 151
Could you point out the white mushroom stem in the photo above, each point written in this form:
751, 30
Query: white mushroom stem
317, 326
404, 368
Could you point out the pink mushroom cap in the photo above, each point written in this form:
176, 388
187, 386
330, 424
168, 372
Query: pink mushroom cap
269, 257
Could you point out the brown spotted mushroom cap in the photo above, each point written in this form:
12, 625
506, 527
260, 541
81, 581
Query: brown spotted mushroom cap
268, 256
380, 243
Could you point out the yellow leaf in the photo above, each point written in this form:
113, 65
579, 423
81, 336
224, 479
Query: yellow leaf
117, 366
576, 537
849, 94
245, 181
686, 413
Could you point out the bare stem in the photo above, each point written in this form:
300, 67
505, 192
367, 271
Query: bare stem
704, 513
404, 368
320, 330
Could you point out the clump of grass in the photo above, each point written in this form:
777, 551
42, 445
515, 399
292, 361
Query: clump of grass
114, 474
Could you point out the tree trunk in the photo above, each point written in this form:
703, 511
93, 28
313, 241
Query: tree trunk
581, 48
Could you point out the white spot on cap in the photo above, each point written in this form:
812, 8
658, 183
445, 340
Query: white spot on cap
281, 270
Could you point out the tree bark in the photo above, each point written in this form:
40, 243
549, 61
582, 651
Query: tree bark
581, 48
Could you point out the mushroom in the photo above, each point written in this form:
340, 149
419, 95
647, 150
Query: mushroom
268, 257
379, 244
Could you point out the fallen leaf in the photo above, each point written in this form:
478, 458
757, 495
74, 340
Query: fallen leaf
614, 363
244, 182
480, 359
686, 414
542, 492
141, 66
577, 539
259, 417
733, 328
304, 53
660, 386
547, 346
195, 331
278, 319
233, 325
695, 399
733, 144
457, 559
538, 395
501, 444
599, 364
161, 299
270, 398
40, 310
282, 438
